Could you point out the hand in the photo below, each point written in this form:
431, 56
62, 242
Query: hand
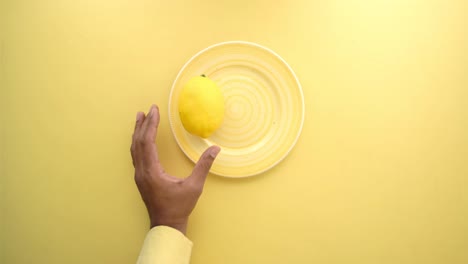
169, 200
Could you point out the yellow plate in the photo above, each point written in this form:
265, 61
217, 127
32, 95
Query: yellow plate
264, 108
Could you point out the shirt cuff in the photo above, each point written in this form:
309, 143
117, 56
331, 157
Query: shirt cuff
165, 244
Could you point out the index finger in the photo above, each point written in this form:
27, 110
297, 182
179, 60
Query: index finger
147, 136
140, 117
151, 123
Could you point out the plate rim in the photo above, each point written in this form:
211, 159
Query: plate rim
299, 132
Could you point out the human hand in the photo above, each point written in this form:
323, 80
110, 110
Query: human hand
168, 199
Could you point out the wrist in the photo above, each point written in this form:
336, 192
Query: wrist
178, 225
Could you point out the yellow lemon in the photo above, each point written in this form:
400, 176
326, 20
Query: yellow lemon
201, 106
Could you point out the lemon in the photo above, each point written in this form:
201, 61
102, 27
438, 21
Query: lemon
201, 106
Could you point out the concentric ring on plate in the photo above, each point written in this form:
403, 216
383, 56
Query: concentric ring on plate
264, 108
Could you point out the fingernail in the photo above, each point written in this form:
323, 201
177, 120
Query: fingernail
215, 151
138, 116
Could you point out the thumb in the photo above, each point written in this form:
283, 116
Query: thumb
201, 169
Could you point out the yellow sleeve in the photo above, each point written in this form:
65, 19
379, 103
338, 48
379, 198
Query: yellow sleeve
165, 245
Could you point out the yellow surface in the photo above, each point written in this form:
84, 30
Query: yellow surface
379, 174
264, 108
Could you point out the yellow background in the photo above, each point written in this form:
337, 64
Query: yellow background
379, 174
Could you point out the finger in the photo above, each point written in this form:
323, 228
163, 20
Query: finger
140, 117
150, 126
147, 136
203, 166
